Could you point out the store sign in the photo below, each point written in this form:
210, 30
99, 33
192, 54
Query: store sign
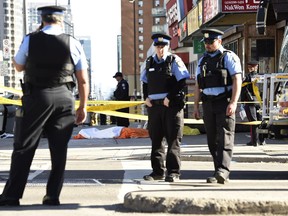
240, 5
198, 46
183, 31
210, 9
193, 22
172, 14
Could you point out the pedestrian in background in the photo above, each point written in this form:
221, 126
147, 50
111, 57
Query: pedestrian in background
164, 80
218, 86
122, 94
49, 59
252, 110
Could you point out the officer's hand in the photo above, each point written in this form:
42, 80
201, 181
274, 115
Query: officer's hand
231, 108
148, 102
81, 114
166, 102
196, 114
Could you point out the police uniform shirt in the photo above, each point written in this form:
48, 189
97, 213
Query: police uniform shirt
178, 69
77, 52
121, 92
231, 63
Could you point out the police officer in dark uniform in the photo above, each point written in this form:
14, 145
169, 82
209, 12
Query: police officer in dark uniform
164, 79
252, 109
49, 58
218, 86
122, 94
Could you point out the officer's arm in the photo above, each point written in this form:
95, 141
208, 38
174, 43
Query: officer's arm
177, 88
145, 90
18, 67
83, 88
236, 87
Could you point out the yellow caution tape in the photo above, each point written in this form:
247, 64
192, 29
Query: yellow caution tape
255, 90
11, 90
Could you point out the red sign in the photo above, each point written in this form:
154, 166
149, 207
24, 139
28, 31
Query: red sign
240, 5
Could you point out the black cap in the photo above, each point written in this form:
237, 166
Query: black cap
211, 34
253, 63
118, 74
53, 9
160, 39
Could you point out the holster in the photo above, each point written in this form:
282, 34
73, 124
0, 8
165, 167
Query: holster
26, 88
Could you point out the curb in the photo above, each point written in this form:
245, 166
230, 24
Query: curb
140, 203
240, 159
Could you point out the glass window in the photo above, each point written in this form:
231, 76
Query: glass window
156, 3
157, 20
141, 29
140, 3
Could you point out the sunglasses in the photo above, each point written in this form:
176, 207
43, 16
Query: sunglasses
209, 41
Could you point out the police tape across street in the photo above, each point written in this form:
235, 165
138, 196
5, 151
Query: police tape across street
109, 107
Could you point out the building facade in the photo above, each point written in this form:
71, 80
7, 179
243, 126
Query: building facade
11, 33
139, 20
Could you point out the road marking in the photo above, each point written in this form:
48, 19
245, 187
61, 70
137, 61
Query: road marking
133, 178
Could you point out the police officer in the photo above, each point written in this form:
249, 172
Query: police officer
164, 79
218, 85
50, 58
122, 94
251, 109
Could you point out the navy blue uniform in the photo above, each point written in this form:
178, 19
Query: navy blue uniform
162, 79
122, 94
50, 58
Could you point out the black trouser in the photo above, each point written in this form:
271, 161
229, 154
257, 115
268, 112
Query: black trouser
123, 121
253, 115
220, 130
165, 122
49, 109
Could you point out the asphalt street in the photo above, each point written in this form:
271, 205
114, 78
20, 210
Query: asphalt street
104, 177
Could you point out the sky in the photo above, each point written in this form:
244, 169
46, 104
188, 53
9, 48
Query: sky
101, 20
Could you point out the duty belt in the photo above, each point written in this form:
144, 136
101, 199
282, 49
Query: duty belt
158, 102
205, 97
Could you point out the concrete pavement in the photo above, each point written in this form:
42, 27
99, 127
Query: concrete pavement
258, 182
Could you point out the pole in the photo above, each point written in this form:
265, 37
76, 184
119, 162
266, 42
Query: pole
135, 65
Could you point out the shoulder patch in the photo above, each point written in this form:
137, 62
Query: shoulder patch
179, 61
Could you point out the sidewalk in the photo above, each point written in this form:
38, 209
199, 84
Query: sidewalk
254, 187
258, 182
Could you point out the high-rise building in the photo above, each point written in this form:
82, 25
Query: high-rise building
11, 33
17, 18
139, 19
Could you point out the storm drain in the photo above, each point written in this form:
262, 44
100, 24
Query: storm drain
68, 182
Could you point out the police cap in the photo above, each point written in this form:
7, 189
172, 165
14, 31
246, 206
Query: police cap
53, 9
252, 63
211, 34
118, 74
160, 39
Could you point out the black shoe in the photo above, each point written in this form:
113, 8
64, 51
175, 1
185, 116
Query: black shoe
251, 144
50, 201
262, 143
173, 177
153, 177
221, 178
211, 180
8, 202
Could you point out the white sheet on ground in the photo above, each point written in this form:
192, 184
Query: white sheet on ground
90, 133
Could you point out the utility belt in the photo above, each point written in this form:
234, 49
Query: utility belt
50, 82
159, 102
223, 96
28, 87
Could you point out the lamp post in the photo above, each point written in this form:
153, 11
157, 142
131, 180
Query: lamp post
135, 66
